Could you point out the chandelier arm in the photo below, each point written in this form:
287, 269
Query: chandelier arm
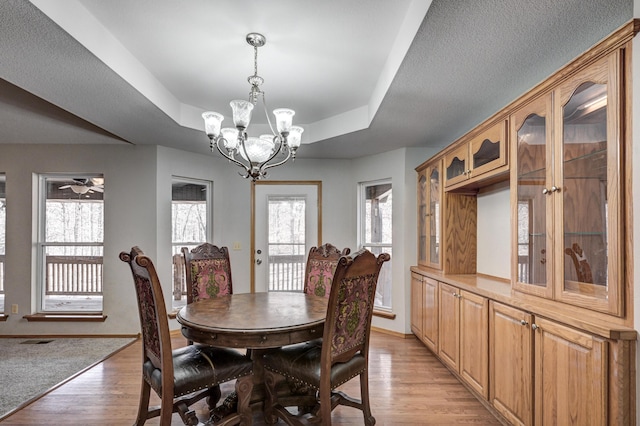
266, 166
230, 158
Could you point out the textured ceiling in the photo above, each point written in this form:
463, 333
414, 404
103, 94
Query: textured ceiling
142, 72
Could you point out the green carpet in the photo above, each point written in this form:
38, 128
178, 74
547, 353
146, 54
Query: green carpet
30, 367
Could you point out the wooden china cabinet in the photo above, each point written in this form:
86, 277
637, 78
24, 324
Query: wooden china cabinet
552, 342
566, 186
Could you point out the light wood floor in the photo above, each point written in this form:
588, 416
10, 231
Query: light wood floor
408, 386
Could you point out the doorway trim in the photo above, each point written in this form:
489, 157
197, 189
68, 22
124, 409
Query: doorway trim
317, 183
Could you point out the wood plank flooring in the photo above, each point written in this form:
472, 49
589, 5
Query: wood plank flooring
408, 386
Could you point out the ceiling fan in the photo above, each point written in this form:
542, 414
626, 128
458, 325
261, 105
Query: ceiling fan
83, 186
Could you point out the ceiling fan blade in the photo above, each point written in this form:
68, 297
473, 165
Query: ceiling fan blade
97, 189
64, 187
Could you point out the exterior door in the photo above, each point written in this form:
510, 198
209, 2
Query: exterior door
286, 224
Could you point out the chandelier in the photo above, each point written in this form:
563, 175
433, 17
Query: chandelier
254, 154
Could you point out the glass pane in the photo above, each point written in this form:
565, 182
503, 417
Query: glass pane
377, 228
3, 211
384, 287
584, 190
434, 216
72, 278
377, 210
489, 151
532, 237
457, 167
188, 228
422, 218
71, 256
287, 243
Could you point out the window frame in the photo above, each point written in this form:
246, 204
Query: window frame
41, 244
361, 225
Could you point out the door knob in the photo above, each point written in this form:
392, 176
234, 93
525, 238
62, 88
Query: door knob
259, 261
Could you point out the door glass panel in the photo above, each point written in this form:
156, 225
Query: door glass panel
434, 215
584, 156
532, 237
286, 242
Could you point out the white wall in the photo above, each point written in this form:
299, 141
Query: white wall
494, 233
130, 216
137, 212
399, 166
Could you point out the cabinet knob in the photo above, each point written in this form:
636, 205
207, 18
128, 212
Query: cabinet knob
523, 322
535, 327
555, 189
545, 191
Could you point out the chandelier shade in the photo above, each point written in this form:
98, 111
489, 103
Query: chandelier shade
256, 154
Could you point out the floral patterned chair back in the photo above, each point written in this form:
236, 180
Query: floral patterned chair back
207, 272
321, 265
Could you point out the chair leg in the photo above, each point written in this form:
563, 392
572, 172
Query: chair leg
166, 408
325, 406
369, 420
214, 397
143, 405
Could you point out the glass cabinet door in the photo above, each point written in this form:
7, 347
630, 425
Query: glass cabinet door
457, 165
588, 169
435, 198
422, 217
488, 150
531, 160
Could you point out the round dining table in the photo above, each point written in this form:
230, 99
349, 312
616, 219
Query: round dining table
257, 322
254, 320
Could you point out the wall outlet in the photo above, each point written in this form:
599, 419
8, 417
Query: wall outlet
237, 246
14, 309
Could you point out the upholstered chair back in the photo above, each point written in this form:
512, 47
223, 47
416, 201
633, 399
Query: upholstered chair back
207, 272
321, 265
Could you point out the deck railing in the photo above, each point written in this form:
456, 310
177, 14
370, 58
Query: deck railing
73, 275
286, 273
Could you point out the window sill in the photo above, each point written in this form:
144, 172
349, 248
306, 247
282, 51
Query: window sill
384, 314
3, 317
66, 317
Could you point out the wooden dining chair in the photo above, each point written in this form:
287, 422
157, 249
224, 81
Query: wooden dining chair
207, 272
343, 355
321, 265
182, 376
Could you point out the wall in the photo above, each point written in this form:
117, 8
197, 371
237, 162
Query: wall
137, 212
494, 233
399, 166
130, 216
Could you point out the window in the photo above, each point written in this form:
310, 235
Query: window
190, 208
286, 245
375, 229
70, 243
3, 222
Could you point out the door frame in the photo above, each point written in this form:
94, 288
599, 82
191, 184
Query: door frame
317, 183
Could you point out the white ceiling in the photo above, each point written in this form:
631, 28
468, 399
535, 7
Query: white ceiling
364, 76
